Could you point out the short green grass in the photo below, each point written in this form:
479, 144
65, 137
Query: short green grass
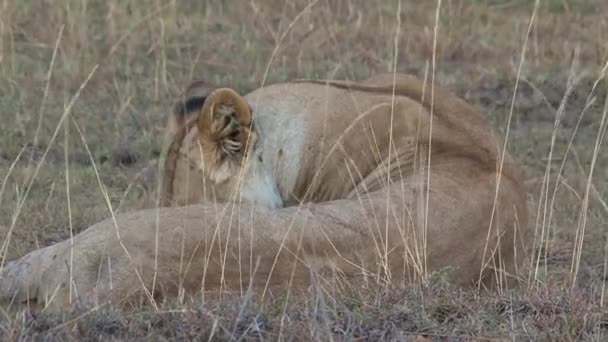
143, 53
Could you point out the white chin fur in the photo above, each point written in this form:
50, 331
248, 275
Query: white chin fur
261, 189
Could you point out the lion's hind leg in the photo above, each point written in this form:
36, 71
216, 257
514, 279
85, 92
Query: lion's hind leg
467, 225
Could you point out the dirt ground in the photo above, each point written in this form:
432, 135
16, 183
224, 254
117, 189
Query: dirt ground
112, 69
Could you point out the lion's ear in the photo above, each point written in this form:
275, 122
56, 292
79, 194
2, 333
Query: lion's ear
224, 126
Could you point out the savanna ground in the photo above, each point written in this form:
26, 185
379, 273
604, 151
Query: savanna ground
85, 87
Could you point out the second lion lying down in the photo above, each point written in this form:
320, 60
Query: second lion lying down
386, 178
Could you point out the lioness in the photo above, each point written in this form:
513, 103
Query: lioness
387, 179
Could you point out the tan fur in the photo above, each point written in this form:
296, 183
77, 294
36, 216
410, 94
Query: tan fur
337, 180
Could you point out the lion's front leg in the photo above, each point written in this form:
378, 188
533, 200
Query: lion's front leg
132, 256
28, 279
63, 274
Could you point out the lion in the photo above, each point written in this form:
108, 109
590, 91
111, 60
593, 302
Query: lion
302, 183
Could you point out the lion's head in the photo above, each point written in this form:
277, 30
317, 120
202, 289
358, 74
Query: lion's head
211, 139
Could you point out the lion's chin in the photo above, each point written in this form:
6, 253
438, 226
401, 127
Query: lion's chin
265, 198
262, 192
